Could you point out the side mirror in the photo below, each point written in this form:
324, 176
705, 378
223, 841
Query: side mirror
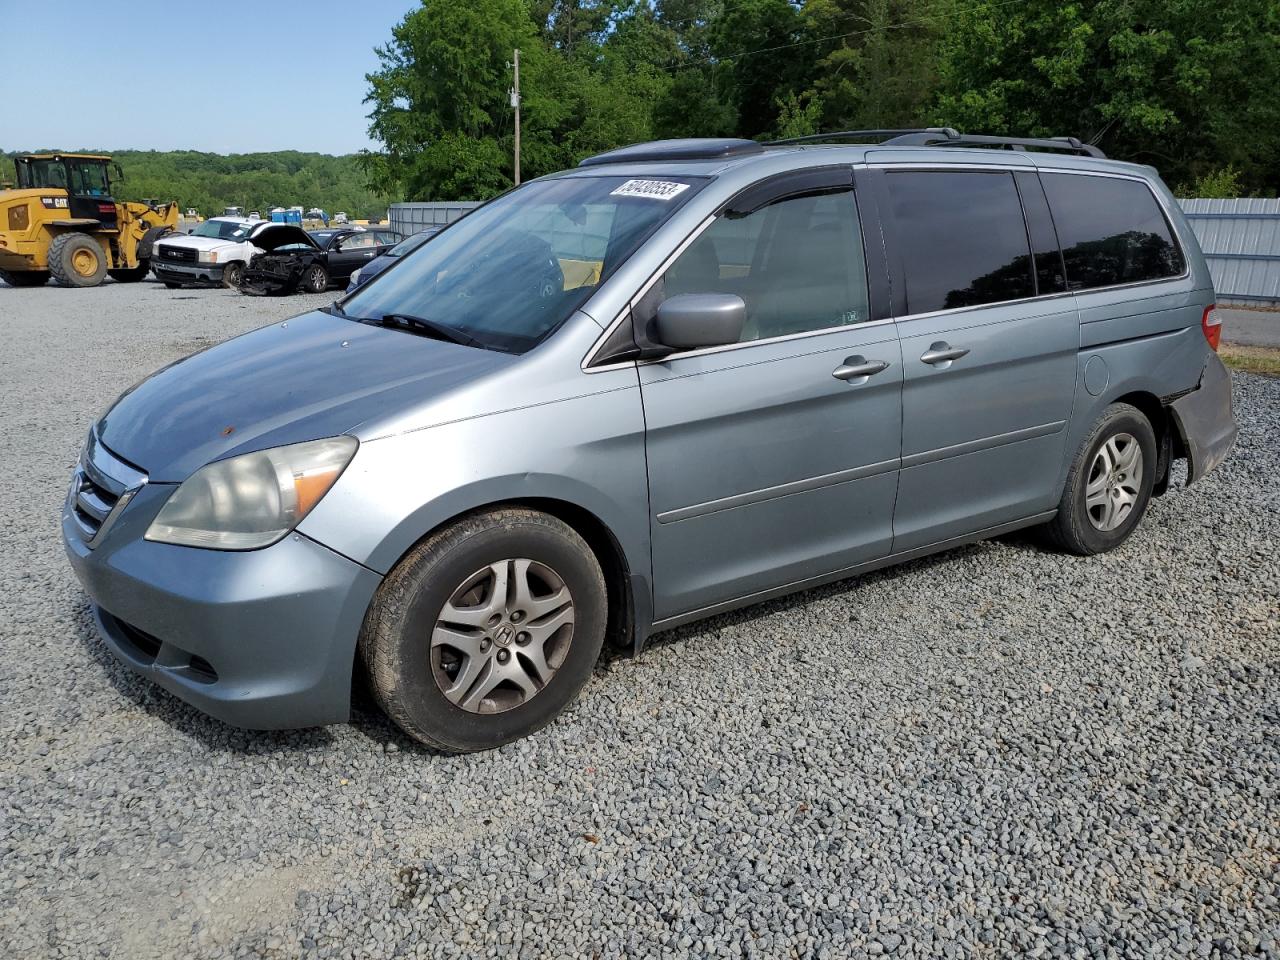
690, 321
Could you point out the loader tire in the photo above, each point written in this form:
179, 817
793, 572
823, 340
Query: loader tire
76, 260
25, 278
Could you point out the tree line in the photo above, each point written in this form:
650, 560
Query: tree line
210, 182
1186, 86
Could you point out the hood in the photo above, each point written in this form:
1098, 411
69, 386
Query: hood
307, 378
197, 243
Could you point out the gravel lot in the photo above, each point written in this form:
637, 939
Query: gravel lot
996, 752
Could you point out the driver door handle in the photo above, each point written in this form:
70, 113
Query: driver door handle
858, 369
942, 353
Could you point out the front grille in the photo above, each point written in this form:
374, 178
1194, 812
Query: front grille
176, 254
101, 488
92, 502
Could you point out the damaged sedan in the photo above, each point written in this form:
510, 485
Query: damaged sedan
292, 262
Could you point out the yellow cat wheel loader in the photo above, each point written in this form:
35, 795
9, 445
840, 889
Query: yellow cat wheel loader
62, 222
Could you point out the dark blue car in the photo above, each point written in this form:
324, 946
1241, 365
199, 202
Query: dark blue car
377, 265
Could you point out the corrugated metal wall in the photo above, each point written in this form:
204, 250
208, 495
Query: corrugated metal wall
1241, 241
409, 218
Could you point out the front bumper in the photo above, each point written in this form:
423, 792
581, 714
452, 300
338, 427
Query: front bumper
188, 272
1206, 420
263, 639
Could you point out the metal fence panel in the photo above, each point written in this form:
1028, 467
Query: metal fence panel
410, 218
1241, 241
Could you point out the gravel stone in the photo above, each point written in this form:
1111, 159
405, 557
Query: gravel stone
1001, 751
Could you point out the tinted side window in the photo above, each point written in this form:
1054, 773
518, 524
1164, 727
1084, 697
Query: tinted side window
1111, 230
962, 238
797, 264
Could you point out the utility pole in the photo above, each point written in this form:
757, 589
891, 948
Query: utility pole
515, 102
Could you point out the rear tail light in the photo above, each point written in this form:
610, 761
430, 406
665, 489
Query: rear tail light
1211, 324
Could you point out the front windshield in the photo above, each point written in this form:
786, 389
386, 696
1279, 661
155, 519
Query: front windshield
223, 229
511, 272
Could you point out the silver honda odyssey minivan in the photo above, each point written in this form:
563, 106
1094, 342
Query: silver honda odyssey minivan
683, 377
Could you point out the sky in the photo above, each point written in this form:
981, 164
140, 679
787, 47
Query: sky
225, 76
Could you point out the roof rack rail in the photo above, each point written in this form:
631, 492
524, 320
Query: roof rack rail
947, 137
860, 135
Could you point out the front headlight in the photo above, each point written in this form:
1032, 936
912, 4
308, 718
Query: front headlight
208, 256
253, 500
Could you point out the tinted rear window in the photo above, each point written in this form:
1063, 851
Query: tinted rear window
962, 237
1111, 231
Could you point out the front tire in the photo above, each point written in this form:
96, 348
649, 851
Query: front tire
486, 631
1109, 485
76, 260
233, 275
316, 279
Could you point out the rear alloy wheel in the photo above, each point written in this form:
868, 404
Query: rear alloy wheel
316, 279
233, 275
487, 630
76, 260
25, 278
1109, 486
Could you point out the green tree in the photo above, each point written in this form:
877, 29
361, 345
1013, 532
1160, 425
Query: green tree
1181, 84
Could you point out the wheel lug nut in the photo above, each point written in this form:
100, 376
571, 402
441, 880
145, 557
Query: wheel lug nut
522, 638
484, 645
503, 656
517, 616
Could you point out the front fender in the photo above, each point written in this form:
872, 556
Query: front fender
587, 452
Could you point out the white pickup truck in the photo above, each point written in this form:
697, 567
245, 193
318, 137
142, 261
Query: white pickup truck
217, 251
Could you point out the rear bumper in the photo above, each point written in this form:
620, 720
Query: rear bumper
188, 273
1206, 420
263, 639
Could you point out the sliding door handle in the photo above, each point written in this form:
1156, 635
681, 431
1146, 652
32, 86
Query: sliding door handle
942, 353
857, 369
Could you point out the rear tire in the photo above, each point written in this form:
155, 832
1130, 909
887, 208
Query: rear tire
76, 260
132, 274
25, 278
1109, 485
486, 631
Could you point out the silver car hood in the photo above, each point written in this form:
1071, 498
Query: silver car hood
314, 376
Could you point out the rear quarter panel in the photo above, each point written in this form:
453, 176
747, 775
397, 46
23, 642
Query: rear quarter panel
1140, 338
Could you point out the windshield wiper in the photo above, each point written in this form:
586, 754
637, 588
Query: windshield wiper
428, 328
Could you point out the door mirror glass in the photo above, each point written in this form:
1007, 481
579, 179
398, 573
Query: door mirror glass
691, 321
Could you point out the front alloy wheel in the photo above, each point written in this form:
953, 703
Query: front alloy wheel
502, 636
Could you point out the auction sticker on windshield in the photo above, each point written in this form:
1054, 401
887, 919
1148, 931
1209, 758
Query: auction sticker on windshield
653, 189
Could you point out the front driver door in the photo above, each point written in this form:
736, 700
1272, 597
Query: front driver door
349, 253
773, 460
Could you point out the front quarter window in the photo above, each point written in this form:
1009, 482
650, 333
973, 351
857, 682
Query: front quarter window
511, 272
